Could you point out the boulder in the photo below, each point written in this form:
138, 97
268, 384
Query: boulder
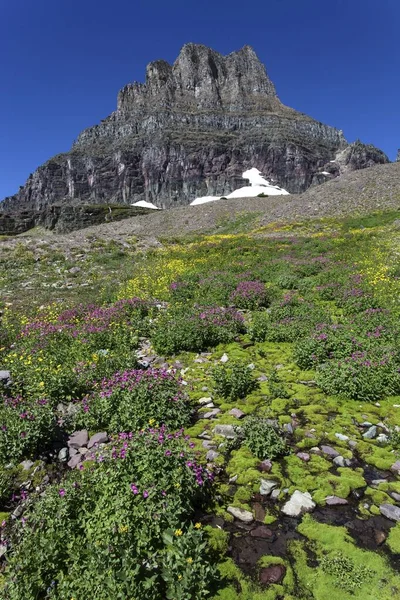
98, 438
78, 439
299, 503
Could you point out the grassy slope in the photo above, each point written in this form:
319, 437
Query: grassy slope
367, 243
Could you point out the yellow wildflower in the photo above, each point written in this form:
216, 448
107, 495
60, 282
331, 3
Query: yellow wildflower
197, 526
178, 532
189, 560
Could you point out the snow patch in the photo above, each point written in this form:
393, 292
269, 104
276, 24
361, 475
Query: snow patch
258, 185
145, 204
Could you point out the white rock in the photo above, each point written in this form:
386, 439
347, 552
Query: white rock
341, 436
224, 358
299, 503
267, 486
240, 514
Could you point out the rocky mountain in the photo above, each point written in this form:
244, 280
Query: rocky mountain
191, 130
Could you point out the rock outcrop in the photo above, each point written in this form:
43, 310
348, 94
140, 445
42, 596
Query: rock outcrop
191, 130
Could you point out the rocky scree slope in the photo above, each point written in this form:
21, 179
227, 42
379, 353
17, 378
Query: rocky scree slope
191, 130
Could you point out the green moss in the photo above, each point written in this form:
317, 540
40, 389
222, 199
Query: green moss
393, 539
217, 539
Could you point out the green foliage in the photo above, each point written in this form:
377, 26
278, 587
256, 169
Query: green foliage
195, 329
131, 399
234, 381
263, 438
118, 528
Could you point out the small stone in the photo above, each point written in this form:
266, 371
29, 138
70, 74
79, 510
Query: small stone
329, 451
378, 481
288, 427
315, 450
265, 466
233, 479
212, 455
17, 512
335, 501
259, 512
209, 444
263, 378
395, 496
272, 574
382, 438
27, 465
352, 443
211, 414
299, 503
75, 460
63, 455
251, 366
98, 438
204, 388
204, 436
267, 486
237, 413
304, 456
78, 439
205, 400
366, 424
240, 514
262, 531
380, 536
396, 467
390, 511
342, 437
224, 358
370, 433
275, 494
5, 376
339, 461
209, 405
83, 451
227, 431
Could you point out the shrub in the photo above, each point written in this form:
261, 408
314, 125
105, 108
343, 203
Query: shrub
195, 329
263, 438
234, 381
25, 427
115, 529
287, 281
276, 387
250, 295
347, 575
360, 377
129, 400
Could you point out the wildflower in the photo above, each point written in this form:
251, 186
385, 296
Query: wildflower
179, 577
178, 532
123, 528
189, 560
197, 526
145, 494
61, 492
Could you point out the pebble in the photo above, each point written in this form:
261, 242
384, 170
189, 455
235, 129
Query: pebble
240, 514
275, 494
212, 455
341, 436
335, 501
237, 413
63, 455
267, 486
366, 424
288, 427
378, 481
304, 456
370, 433
211, 414
226, 431
265, 466
205, 400
329, 451
390, 511
382, 438
339, 461
352, 443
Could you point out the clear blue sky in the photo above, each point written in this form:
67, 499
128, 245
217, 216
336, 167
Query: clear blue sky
62, 63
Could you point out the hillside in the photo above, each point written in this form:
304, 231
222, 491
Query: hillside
204, 402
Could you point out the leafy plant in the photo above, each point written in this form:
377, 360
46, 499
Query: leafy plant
234, 381
347, 575
263, 438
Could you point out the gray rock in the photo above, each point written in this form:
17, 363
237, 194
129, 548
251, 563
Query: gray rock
63, 455
98, 438
304, 456
378, 481
370, 433
205, 400
342, 437
240, 514
390, 511
75, 460
275, 494
352, 443
212, 455
263, 378
211, 413
339, 461
395, 496
209, 444
237, 413
382, 438
265, 466
329, 451
27, 465
226, 431
335, 501
299, 503
5, 376
288, 427
396, 467
204, 436
267, 486
78, 439
18, 512
366, 424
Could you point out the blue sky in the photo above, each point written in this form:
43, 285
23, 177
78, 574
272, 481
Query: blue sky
63, 62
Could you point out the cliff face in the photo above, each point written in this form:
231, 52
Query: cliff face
190, 130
